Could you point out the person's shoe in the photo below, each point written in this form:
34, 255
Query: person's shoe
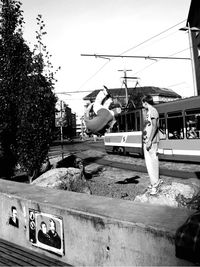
154, 188
154, 191
160, 181
149, 186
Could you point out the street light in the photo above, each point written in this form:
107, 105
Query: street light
193, 29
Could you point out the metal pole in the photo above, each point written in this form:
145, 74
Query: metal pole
61, 128
125, 83
126, 92
192, 60
145, 57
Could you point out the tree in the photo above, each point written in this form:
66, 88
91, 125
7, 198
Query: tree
15, 59
27, 100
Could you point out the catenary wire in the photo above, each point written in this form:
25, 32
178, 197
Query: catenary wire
149, 39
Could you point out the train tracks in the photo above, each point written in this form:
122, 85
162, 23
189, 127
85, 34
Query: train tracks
178, 173
98, 156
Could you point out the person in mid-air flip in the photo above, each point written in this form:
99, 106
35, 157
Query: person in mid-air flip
104, 111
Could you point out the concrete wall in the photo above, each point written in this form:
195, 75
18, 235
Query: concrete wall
97, 231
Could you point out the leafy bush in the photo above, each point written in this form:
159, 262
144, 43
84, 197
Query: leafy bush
27, 101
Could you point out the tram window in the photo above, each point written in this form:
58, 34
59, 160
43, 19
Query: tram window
115, 127
122, 123
133, 122
119, 122
129, 122
175, 125
162, 126
137, 121
192, 120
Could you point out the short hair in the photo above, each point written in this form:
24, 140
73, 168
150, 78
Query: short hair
51, 220
42, 224
148, 99
13, 208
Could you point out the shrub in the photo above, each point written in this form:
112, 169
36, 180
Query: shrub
27, 101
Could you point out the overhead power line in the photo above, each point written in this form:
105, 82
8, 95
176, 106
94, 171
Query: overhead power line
93, 75
145, 57
149, 39
130, 50
73, 92
137, 72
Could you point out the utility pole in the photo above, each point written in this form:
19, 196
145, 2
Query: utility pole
125, 83
191, 36
61, 126
194, 76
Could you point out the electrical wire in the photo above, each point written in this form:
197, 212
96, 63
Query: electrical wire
157, 61
128, 50
162, 38
93, 75
149, 39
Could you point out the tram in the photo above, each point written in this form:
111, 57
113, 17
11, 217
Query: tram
179, 130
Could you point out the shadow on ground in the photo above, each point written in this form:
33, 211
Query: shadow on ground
132, 180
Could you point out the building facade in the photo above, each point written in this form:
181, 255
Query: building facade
160, 95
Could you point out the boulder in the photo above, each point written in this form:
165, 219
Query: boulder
70, 179
174, 195
74, 162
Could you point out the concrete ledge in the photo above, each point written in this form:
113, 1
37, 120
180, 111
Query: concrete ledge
97, 231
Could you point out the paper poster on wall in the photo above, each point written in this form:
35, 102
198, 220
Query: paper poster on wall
46, 231
13, 218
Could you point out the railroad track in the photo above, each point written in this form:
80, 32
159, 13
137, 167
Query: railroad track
171, 169
140, 168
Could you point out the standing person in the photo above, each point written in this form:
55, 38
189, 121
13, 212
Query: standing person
150, 143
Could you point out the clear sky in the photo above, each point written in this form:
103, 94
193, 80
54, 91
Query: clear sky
76, 27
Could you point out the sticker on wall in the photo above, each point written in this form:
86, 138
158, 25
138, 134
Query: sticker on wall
46, 231
13, 219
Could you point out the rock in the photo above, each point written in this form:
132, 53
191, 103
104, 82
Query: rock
174, 195
63, 178
74, 162
70, 161
45, 166
54, 160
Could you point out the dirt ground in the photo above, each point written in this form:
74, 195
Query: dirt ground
120, 183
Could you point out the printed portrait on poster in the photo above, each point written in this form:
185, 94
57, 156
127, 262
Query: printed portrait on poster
13, 219
46, 231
